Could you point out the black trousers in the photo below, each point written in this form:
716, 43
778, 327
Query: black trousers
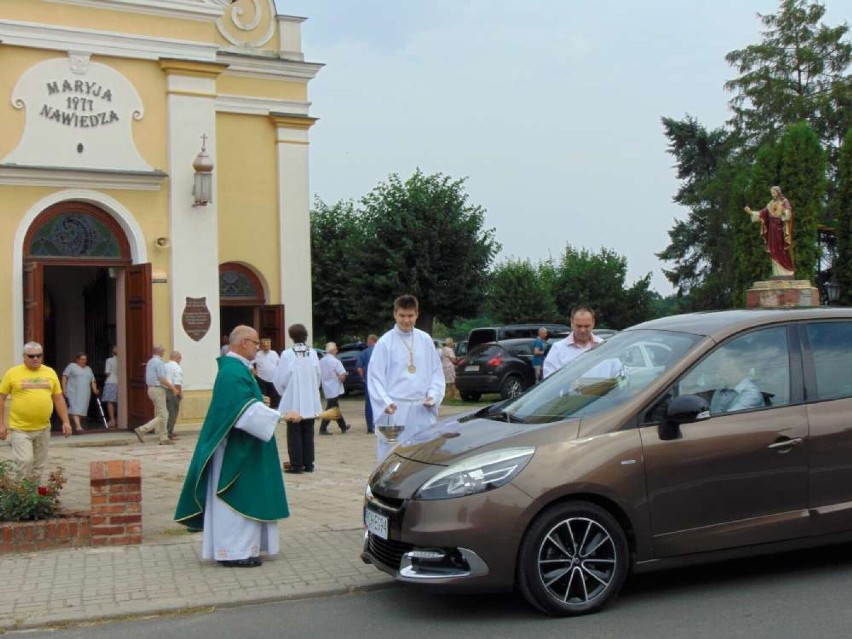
331, 402
300, 444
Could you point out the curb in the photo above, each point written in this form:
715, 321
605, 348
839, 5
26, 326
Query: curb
187, 608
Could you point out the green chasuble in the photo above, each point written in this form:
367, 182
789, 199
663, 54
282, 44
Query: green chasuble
250, 482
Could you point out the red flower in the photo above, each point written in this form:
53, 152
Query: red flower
42, 490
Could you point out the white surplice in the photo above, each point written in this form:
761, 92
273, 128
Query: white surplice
391, 382
297, 379
227, 534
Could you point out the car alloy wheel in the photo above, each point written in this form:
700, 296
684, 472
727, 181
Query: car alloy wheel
573, 560
512, 387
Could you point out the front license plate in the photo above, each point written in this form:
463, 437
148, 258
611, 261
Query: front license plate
377, 524
471, 369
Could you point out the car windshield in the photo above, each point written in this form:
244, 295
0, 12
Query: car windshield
600, 379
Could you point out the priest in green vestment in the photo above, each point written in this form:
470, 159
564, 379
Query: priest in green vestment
234, 490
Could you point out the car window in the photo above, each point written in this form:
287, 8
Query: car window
633, 357
486, 350
658, 354
831, 344
598, 380
747, 372
522, 350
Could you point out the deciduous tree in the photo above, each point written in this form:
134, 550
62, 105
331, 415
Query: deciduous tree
598, 280
518, 294
336, 237
424, 237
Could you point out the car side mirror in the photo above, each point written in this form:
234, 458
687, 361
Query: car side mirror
684, 409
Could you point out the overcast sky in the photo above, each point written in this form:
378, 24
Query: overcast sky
550, 108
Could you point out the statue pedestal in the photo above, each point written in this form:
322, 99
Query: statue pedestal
782, 293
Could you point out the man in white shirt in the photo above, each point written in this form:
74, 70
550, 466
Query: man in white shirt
405, 377
578, 342
265, 363
174, 394
333, 374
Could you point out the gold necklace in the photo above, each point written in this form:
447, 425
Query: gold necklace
411, 367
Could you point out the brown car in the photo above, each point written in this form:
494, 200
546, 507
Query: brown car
733, 439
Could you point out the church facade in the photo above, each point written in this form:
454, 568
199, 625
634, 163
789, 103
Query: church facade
153, 183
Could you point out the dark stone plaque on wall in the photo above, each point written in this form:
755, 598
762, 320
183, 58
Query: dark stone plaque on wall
196, 317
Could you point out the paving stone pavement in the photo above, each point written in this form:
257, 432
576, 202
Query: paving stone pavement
320, 541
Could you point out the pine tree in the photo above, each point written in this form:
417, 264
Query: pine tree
803, 181
842, 264
798, 72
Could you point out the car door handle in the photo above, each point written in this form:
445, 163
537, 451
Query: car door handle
786, 444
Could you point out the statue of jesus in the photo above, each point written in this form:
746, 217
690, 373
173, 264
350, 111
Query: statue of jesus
776, 229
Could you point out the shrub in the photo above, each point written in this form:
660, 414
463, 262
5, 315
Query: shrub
26, 500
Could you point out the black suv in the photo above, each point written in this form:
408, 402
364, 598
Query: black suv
348, 356
503, 367
499, 333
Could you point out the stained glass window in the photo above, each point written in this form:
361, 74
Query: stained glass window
74, 235
235, 282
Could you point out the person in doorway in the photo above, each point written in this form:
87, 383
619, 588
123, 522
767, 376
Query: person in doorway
578, 341
297, 379
363, 365
448, 363
234, 492
78, 384
332, 374
265, 365
109, 395
36, 392
158, 382
174, 394
405, 379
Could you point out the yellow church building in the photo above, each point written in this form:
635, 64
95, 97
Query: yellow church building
153, 183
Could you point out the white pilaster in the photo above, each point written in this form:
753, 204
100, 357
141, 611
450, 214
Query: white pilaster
294, 218
193, 230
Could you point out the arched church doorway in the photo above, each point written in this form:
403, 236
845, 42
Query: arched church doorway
82, 293
242, 300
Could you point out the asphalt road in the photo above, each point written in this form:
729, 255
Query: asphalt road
802, 594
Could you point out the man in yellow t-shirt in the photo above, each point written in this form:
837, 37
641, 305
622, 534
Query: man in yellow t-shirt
35, 392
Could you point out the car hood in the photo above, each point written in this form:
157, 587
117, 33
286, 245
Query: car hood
407, 468
448, 439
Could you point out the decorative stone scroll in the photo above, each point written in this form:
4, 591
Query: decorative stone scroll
248, 24
79, 115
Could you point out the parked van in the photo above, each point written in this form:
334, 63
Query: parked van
510, 331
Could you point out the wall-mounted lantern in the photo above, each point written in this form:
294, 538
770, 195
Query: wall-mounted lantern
202, 188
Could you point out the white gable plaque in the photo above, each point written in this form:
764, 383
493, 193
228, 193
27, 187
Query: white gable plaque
79, 115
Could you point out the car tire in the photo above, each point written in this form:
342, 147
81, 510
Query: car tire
471, 397
573, 560
512, 386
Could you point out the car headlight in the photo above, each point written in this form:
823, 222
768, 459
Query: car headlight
476, 474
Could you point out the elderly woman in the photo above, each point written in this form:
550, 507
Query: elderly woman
78, 384
448, 363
